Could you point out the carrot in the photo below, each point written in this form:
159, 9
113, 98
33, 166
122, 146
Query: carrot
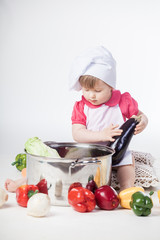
97, 177
23, 172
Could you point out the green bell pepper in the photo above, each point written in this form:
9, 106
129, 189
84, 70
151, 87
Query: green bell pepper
141, 204
20, 161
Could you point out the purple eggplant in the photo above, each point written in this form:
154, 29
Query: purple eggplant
91, 185
122, 141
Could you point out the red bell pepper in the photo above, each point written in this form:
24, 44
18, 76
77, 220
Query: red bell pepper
42, 186
106, 198
81, 199
24, 192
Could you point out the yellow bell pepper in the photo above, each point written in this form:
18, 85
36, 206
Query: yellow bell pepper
126, 194
158, 192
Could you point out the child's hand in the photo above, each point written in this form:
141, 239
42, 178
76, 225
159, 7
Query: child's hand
142, 124
110, 132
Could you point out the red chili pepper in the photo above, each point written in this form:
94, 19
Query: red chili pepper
106, 198
24, 192
42, 186
81, 199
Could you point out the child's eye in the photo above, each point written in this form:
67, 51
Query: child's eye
98, 90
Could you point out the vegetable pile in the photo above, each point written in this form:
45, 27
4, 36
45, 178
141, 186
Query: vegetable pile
85, 199
25, 192
82, 199
35, 198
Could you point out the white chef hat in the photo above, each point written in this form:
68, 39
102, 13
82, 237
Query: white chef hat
97, 62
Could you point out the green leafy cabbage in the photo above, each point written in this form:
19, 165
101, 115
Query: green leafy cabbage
37, 147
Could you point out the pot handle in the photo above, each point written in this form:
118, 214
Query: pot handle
79, 162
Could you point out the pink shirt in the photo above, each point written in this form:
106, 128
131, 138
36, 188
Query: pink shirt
119, 108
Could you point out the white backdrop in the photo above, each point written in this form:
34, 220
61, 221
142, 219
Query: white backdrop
38, 41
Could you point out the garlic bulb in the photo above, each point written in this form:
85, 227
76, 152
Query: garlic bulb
3, 197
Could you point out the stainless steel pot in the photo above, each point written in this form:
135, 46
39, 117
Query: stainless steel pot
78, 161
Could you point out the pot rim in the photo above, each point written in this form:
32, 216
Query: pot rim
110, 150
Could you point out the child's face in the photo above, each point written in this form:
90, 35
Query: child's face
100, 94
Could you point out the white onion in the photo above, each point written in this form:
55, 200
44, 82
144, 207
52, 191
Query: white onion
38, 205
